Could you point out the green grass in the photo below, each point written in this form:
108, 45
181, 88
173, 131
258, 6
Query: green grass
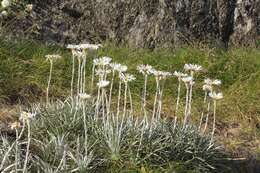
24, 72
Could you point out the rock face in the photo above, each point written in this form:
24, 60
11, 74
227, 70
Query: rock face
142, 23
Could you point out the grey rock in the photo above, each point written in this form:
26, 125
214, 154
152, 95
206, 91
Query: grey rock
142, 23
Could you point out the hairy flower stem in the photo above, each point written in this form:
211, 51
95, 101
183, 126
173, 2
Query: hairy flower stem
207, 118
28, 147
49, 82
72, 80
214, 121
155, 98
84, 75
92, 78
178, 98
144, 96
111, 89
160, 102
131, 101
97, 103
186, 106
190, 102
119, 97
103, 103
79, 77
125, 99
202, 114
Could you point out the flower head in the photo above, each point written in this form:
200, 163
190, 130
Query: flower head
4, 13
96, 61
6, 3
187, 79
29, 7
53, 57
26, 116
78, 53
105, 60
103, 83
144, 69
193, 67
179, 75
127, 77
15, 125
84, 96
216, 96
160, 74
118, 67
207, 87
212, 82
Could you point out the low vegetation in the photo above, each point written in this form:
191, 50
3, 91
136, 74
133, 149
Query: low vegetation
129, 141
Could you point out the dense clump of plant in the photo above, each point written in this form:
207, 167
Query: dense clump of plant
62, 140
91, 132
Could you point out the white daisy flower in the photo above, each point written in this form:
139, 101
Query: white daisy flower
127, 77
187, 79
29, 7
105, 60
4, 13
216, 96
96, 61
119, 67
160, 74
208, 81
207, 87
27, 116
53, 57
179, 75
144, 69
114, 66
6, 3
78, 53
84, 96
193, 67
15, 125
103, 83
